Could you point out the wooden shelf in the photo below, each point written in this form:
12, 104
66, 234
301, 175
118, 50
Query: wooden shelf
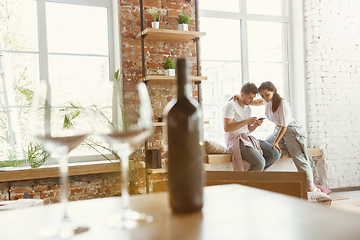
170, 35
170, 79
50, 171
156, 170
226, 157
161, 124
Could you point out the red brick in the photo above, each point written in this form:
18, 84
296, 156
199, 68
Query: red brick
126, 49
138, 64
173, 13
20, 190
170, 19
153, 50
41, 188
128, 64
153, 65
164, 51
174, 6
152, 4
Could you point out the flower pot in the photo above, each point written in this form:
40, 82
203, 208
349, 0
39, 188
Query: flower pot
170, 72
155, 25
183, 27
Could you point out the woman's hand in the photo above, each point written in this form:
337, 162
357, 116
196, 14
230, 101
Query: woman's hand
276, 145
235, 97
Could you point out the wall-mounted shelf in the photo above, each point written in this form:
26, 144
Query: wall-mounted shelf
170, 79
165, 170
169, 35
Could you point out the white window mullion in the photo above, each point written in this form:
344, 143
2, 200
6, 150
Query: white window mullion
297, 58
43, 48
244, 43
114, 39
285, 51
244, 50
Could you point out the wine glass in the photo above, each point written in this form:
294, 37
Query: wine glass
60, 123
124, 120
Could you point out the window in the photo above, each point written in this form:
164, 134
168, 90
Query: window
245, 41
61, 41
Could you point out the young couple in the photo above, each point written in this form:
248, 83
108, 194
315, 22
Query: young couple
287, 136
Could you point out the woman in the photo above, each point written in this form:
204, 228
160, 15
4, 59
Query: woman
288, 134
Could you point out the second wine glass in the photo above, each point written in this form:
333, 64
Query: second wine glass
60, 124
124, 119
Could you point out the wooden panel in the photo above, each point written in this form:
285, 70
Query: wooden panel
160, 186
227, 177
315, 152
170, 79
287, 188
217, 158
170, 35
49, 171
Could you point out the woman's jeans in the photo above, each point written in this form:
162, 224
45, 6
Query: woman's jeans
294, 142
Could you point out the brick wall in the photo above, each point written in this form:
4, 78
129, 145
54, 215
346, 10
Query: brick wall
80, 187
155, 52
332, 35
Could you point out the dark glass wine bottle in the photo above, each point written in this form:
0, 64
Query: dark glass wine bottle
185, 146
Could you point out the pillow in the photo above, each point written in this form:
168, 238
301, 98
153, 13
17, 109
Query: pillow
214, 147
319, 197
324, 189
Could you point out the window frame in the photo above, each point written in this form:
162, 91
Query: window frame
296, 85
43, 53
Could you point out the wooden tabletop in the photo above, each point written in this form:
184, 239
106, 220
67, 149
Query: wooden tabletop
229, 212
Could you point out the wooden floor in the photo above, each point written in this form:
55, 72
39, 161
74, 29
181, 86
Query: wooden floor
346, 201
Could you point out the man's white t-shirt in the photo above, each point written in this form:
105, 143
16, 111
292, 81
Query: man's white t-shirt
234, 111
282, 116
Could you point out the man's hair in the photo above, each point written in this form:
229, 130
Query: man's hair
249, 88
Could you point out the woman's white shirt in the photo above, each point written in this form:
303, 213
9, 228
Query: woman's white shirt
234, 111
282, 116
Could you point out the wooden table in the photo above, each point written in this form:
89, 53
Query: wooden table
230, 212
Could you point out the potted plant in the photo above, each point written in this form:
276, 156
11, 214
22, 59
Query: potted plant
183, 22
169, 67
156, 18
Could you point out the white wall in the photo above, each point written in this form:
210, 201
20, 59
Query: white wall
332, 45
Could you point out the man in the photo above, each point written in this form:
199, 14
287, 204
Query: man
238, 125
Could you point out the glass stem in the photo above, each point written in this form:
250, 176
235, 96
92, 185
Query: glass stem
64, 180
124, 154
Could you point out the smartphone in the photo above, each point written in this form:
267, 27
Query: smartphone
261, 118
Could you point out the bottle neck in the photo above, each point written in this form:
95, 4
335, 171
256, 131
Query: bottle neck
182, 78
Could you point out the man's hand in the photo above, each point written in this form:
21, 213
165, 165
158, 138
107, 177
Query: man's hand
251, 121
259, 122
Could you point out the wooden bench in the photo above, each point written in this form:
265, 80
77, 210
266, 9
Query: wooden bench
226, 157
289, 183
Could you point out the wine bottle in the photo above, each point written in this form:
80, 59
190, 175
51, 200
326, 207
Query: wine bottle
185, 146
